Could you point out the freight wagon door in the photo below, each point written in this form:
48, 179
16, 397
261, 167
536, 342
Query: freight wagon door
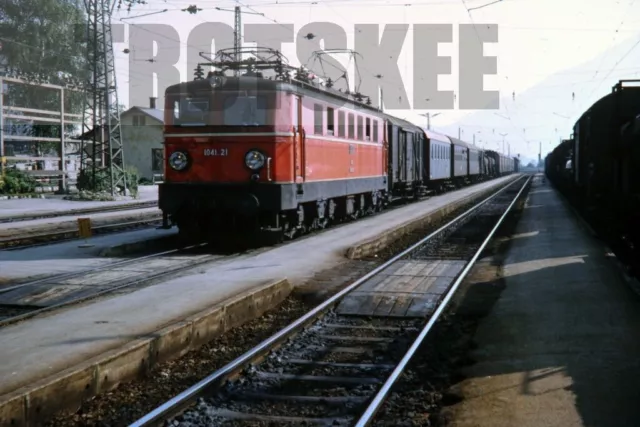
299, 141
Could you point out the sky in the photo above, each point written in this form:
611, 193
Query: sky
554, 57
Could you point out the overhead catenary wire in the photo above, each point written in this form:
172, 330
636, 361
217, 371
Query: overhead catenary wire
512, 111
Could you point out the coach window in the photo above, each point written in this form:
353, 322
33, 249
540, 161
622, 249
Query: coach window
352, 127
368, 129
330, 121
360, 129
375, 131
341, 124
317, 119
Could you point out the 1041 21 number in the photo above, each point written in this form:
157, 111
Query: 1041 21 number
216, 152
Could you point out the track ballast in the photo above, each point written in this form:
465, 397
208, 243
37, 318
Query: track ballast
339, 370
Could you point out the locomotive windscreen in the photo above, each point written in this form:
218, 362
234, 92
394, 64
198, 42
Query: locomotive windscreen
245, 111
191, 111
222, 109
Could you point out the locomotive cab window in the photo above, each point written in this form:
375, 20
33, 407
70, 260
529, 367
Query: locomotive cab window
352, 126
341, 124
330, 119
368, 129
317, 119
375, 131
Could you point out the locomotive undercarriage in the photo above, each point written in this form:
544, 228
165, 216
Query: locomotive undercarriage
230, 229
232, 220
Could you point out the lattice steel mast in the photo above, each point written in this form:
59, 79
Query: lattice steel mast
102, 138
237, 37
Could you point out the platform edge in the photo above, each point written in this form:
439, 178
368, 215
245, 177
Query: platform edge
371, 246
66, 390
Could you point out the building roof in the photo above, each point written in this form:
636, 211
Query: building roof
154, 113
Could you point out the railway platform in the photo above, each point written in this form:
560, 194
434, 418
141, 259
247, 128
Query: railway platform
17, 209
70, 221
559, 344
74, 353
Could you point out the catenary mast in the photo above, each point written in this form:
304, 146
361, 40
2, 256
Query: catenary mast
101, 154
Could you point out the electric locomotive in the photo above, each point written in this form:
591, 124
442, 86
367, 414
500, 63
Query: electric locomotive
247, 155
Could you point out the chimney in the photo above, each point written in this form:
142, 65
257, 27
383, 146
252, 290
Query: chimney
152, 102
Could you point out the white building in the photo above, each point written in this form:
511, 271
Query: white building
142, 134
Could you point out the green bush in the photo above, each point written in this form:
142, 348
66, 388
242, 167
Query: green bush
132, 177
17, 182
86, 181
102, 182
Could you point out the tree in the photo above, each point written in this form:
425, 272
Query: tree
42, 40
129, 4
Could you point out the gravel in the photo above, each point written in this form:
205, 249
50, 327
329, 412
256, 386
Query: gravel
132, 400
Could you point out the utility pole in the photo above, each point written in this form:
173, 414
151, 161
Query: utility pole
429, 116
540, 156
237, 38
101, 147
503, 135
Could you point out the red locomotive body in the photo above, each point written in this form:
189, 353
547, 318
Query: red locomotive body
268, 154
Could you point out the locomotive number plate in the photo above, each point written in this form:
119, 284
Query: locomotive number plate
216, 152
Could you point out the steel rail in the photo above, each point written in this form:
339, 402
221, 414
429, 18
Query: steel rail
79, 300
99, 268
184, 399
371, 411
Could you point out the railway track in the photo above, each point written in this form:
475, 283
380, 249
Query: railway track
33, 240
26, 300
76, 212
337, 364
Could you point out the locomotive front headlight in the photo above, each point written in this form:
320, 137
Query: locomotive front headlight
178, 160
254, 160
